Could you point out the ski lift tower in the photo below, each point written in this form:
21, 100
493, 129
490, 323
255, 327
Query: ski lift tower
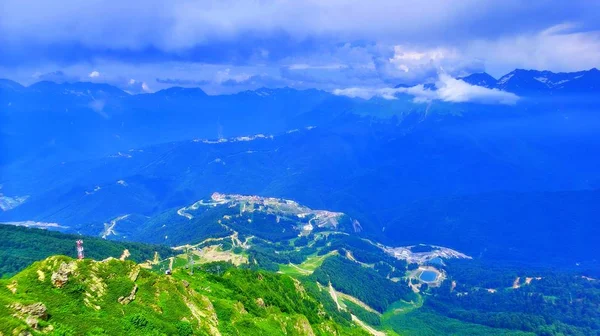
79, 249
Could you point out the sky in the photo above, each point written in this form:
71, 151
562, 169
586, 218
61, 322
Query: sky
227, 46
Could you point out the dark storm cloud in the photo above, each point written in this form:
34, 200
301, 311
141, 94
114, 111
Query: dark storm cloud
380, 42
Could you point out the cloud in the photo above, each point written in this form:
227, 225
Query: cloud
562, 47
318, 67
243, 80
182, 82
135, 86
55, 76
448, 89
226, 76
412, 65
242, 31
94, 74
324, 77
328, 44
97, 105
457, 91
368, 93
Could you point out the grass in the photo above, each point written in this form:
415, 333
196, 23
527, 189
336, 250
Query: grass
420, 322
402, 307
181, 304
307, 267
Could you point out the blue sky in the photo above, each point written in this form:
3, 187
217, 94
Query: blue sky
228, 46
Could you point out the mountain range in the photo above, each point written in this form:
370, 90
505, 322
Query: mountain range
83, 154
382, 216
56, 122
533, 82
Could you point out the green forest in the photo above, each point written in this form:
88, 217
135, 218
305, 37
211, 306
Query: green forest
363, 283
477, 298
552, 303
21, 246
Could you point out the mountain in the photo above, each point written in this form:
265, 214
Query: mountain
480, 79
8, 85
48, 123
546, 83
264, 217
543, 85
180, 92
77, 89
500, 226
82, 155
330, 277
113, 297
332, 168
330, 283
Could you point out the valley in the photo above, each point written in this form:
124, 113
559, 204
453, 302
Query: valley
321, 250
300, 212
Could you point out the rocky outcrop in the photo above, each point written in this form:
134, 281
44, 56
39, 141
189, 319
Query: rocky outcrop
299, 288
127, 299
302, 327
12, 287
135, 272
125, 255
96, 287
205, 314
61, 276
31, 314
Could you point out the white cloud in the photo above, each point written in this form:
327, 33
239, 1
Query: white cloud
303, 66
352, 38
97, 105
225, 76
136, 86
558, 48
185, 23
457, 91
413, 64
448, 89
368, 93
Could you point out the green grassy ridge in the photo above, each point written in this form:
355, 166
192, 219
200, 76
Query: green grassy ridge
21, 246
224, 300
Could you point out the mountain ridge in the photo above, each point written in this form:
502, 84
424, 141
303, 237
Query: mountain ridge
477, 78
538, 82
117, 297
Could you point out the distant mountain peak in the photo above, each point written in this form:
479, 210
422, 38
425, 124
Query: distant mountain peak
527, 82
533, 82
480, 79
11, 85
182, 92
77, 88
